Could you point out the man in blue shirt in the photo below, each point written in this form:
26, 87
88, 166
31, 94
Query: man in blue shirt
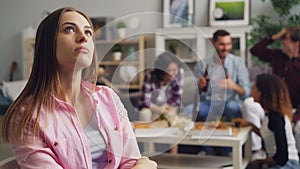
223, 81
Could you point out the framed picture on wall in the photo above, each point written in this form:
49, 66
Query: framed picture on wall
229, 12
177, 13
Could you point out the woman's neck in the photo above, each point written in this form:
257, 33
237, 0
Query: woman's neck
71, 86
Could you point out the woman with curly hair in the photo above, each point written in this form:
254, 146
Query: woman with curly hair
276, 129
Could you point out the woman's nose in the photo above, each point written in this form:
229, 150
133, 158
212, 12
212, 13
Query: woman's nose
82, 37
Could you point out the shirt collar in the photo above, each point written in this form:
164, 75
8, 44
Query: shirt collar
86, 86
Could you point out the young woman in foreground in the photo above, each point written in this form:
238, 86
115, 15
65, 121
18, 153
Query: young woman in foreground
62, 119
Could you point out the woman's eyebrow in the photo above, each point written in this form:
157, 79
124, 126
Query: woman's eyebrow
69, 23
72, 23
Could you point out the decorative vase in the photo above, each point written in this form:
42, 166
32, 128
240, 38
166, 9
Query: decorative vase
122, 33
117, 56
131, 54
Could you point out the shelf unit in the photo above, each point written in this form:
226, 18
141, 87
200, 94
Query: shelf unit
28, 57
112, 68
194, 42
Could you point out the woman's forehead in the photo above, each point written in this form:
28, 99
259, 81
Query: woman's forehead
74, 17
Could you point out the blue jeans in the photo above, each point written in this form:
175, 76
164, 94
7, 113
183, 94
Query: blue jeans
210, 110
290, 164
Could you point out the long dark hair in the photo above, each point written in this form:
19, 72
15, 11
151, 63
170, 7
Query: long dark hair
274, 94
44, 80
161, 64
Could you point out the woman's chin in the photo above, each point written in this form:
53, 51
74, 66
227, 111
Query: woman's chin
83, 63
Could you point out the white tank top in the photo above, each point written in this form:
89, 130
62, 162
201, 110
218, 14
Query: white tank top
97, 144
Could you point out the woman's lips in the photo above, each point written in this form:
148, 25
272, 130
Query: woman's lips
82, 50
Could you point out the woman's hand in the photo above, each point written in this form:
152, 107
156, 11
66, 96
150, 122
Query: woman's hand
239, 122
244, 123
145, 163
157, 110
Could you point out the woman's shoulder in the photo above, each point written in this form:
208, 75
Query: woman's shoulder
149, 76
275, 120
106, 90
275, 116
24, 107
92, 88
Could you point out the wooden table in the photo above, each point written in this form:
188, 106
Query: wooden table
189, 161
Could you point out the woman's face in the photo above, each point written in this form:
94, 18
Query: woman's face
75, 45
172, 71
255, 93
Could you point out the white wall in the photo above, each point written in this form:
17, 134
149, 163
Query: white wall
15, 15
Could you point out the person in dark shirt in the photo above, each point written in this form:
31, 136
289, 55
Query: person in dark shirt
276, 130
285, 61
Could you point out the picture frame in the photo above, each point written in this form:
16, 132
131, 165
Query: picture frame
177, 13
229, 12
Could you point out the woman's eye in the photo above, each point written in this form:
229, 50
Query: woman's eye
89, 32
69, 29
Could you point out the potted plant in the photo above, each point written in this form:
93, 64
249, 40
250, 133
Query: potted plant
173, 47
117, 52
121, 28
